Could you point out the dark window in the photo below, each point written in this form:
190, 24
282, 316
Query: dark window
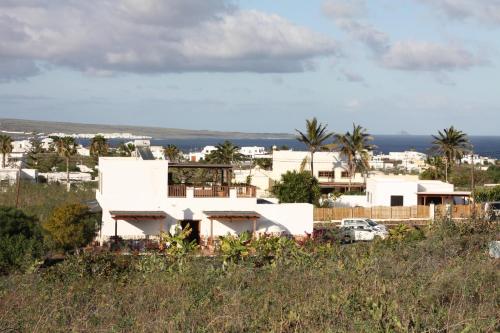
396, 200
344, 174
326, 174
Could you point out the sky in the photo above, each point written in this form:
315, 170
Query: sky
413, 66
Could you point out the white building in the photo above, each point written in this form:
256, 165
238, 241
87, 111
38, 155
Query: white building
411, 161
198, 156
9, 176
476, 159
254, 152
60, 177
82, 151
138, 202
329, 168
405, 191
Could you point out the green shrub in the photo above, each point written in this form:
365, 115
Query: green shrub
297, 187
487, 194
20, 240
70, 227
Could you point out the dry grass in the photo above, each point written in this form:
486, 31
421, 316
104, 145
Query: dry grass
440, 284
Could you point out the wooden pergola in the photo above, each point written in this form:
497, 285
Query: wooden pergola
231, 216
135, 216
425, 198
224, 169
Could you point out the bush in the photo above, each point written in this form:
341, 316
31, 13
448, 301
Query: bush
71, 226
297, 187
487, 194
20, 240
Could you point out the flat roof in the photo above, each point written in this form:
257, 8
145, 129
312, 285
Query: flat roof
231, 214
199, 165
454, 193
153, 214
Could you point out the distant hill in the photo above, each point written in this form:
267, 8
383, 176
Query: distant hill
21, 125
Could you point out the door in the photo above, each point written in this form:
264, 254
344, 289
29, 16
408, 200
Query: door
195, 229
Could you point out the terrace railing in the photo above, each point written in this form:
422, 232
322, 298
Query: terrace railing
215, 191
177, 191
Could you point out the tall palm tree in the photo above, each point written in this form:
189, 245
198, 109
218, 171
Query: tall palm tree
452, 144
354, 147
66, 147
5, 147
173, 153
314, 137
98, 146
225, 153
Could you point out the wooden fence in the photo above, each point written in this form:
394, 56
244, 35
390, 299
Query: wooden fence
378, 212
395, 213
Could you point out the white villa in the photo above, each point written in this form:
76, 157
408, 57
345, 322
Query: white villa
138, 201
404, 191
406, 160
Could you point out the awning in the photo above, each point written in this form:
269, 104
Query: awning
232, 215
134, 214
449, 194
339, 184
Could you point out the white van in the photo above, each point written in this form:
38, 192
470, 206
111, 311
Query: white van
356, 229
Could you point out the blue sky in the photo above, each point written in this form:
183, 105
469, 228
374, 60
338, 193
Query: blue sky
411, 65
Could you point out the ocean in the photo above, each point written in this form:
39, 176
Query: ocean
483, 145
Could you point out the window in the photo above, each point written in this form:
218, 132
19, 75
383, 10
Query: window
396, 200
344, 174
326, 174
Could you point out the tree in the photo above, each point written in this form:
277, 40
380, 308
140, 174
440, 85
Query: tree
126, 149
355, 147
98, 146
71, 226
225, 153
435, 168
297, 187
66, 147
20, 239
314, 138
452, 144
173, 153
5, 147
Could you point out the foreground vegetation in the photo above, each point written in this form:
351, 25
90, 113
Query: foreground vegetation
439, 279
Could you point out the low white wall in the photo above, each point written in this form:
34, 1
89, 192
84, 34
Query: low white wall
351, 201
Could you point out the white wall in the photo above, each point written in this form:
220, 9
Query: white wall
351, 201
380, 190
129, 184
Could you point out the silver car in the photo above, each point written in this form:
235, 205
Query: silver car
361, 229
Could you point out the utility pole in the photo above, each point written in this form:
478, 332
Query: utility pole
472, 183
18, 184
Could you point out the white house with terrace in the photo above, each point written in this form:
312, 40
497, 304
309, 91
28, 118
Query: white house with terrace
138, 201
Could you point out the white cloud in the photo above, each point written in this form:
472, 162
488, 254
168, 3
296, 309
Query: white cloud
144, 36
409, 55
426, 56
483, 11
351, 76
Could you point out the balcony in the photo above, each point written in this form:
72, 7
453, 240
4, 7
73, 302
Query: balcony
215, 191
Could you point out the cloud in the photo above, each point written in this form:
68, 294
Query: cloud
338, 9
483, 11
351, 76
426, 56
408, 55
152, 36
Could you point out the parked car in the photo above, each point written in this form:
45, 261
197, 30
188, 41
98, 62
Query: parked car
492, 210
361, 229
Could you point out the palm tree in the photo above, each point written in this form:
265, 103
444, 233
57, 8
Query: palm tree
436, 165
5, 147
173, 153
225, 153
452, 144
355, 147
98, 146
314, 137
66, 147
